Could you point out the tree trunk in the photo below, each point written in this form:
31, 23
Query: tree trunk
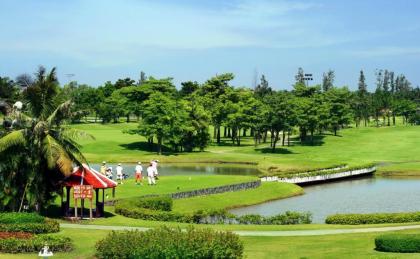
224, 132
284, 136
238, 139
159, 145
265, 136
214, 132
244, 133
393, 119
252, 132
128, 118
218, 135
288, 138
275, 139
312, 136
229, 133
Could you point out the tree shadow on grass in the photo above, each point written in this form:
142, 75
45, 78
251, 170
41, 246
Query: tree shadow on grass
278, 150
228, 143
54, 211
318, 140
144, 146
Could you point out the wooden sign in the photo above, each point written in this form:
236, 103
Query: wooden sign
83, 192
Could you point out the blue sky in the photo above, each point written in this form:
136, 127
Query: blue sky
100, 40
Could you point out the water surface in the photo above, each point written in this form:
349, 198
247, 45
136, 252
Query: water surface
362, 195
190, 169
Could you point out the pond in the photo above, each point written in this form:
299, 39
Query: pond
190, 169
362, 195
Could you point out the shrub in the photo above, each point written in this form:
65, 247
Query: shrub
399, 243
35, 244
373, 218
165, 242
147, 214
20, 217
155, 203
48, 226
287, 218
19, 235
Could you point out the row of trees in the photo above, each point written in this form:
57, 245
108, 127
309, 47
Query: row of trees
181, 119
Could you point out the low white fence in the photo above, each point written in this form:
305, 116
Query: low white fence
319, 178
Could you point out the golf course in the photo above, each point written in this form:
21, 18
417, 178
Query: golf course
394, 149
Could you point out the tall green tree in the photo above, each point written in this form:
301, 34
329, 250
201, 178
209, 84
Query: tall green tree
39, 148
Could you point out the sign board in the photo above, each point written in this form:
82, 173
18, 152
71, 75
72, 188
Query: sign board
83, 192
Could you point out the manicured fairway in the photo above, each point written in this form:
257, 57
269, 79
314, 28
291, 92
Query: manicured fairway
353, 146
266, 192
173, 184
329, 246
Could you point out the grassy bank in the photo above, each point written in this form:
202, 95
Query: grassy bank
173, 184
266, 192
353, 146
329, 246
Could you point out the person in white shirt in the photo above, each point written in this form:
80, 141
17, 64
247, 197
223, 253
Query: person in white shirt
154, 164
151, 174
120, 173
138, 172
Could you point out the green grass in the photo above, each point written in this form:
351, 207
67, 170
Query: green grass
401, 169
173, 184
354, 146
266, 192
329, 246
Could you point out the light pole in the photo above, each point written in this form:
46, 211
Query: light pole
307, 77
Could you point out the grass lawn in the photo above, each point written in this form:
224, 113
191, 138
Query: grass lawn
266, 192
329, 246
180, 183
401, 169
353, 146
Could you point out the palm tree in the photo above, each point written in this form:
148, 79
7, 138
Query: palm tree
39, 149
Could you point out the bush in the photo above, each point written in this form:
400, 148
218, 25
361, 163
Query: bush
373, 218
35, 244
48, 226
165, 242
147, 214
398, 243
155, 203
18, 218
288, 218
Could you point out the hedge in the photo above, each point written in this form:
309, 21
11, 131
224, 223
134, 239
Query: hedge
154, 203
165, 242
129, 208
35, 244
398, 243
288, 218
48, 226
20, 217
373, 218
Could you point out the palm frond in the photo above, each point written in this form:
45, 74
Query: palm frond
56, 156
62, 112
13, 139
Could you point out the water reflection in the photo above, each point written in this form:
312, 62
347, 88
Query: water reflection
363, 195
191, 169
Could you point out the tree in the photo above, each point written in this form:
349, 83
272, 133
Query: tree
160, 118
340, 112
8, 90
300, 76
38, 148
212, 91
188, 88
328, 80
262, 89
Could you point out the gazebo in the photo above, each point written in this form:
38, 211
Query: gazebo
87, 176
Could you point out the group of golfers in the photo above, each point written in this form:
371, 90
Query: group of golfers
152, 172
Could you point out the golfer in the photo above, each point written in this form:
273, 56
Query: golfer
120, 173
138, 173
151, 174
154, 164
103, 168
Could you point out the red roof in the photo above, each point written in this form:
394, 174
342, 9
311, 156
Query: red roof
89, 176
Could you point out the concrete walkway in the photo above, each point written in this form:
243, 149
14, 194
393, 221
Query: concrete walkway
277, 233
